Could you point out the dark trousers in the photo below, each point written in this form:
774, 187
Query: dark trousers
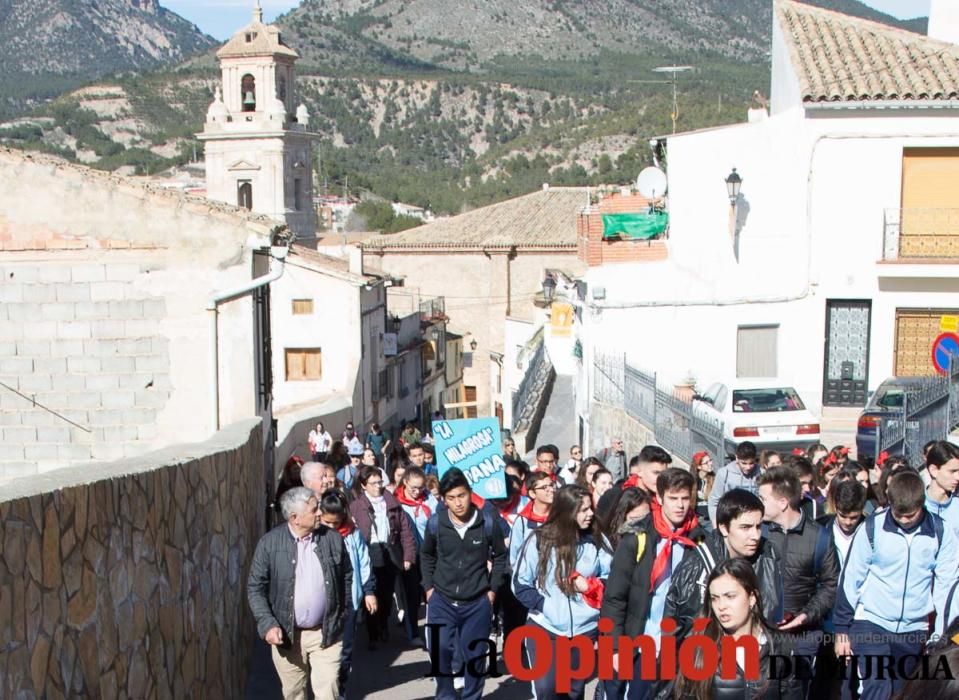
806, 646
868, 639
412, 596
377, 625
511, 611
544, 687
462, 623
349, 635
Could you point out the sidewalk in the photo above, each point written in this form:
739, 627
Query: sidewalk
559, 422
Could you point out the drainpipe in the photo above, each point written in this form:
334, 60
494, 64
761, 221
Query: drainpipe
278, 253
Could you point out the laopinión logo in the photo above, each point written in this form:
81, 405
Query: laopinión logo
697, 658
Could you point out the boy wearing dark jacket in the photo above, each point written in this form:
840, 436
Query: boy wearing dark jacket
636, 590
738, 534
809, 563
459, 585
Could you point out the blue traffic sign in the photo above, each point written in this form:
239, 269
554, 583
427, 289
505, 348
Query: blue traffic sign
943, 346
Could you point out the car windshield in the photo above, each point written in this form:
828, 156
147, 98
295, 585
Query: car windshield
891, 399
766, 400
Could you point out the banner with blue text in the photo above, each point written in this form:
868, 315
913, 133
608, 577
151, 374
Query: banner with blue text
473, 446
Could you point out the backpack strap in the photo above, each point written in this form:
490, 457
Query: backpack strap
937, 524
640, 545
871, 532
822, 545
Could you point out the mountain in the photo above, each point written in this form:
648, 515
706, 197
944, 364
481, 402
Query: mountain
49, 46
454, 103
469, 34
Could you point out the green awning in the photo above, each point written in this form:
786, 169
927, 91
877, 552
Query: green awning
640, 227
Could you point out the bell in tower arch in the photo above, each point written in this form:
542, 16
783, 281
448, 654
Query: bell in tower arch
248, 89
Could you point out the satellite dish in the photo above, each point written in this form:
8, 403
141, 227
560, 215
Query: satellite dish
651, 183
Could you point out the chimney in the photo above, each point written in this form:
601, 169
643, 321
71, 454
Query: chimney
356, 260
944, 21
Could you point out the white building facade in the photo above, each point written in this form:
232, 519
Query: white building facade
833, 266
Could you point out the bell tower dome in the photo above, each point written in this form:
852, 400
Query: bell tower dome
258, 154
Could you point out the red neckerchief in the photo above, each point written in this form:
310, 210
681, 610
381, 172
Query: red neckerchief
665, 530
418, 504
346, 529
507, 508
528, 513
477, 500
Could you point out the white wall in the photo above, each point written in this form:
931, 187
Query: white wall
813, 196
334, 327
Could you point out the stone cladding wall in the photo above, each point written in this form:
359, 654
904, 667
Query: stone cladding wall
128, 580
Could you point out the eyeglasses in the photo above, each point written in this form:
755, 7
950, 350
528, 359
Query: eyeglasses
371, 482
545, 487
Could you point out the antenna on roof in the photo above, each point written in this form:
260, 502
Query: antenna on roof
673, 70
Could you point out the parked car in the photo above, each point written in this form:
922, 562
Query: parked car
886, 402
766, 412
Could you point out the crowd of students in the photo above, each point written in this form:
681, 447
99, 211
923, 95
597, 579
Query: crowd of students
841, 571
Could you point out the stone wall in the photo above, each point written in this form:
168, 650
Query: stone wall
607, 422
128, 580
85, 341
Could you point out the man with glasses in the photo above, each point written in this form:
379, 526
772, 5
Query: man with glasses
540, 488
568, 473
547, 457
614, 459
741, 473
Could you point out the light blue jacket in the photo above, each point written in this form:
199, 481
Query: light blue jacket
363, 582
419, 519
896, 582
948, 511
551, 608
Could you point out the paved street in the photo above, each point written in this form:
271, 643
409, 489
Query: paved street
559, 422
393, 672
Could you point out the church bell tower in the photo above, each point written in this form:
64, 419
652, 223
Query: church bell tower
258, 145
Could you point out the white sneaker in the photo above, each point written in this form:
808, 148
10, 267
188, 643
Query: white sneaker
459, 683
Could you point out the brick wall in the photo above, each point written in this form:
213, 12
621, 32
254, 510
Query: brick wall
128, 579
594, 251
82, 340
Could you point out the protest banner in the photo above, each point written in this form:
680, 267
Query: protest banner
473, 446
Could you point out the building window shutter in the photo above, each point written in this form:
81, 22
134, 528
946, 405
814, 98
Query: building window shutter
302, 307
757, 351
304, 364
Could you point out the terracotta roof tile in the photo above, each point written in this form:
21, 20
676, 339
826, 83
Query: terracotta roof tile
839, 58
545, 218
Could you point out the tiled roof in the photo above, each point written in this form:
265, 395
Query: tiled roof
542, 219
838, 58
338, 267
256, 39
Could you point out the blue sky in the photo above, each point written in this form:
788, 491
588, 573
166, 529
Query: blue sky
221, 18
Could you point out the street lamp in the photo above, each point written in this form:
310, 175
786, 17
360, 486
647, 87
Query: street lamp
473, 345
734, 184
549, 288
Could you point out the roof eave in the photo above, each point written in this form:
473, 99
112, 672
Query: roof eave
917, 104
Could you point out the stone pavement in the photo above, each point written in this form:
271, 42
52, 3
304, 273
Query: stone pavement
559, 420
395, 671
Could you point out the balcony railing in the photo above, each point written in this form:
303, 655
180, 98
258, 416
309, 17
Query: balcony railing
921, 234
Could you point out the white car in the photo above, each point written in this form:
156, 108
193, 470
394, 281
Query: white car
766, 412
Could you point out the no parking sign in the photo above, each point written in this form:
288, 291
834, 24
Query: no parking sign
943, 346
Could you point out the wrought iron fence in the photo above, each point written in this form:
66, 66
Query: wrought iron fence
929, 412
680, 426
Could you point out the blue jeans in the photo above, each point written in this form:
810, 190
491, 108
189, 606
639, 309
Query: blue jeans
462, 623
346, 655
868, 639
